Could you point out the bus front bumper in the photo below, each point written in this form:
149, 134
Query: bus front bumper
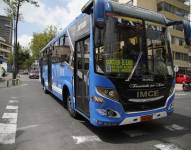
118, 117
133, 118
139, 118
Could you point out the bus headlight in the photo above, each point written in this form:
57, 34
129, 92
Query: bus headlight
107, 92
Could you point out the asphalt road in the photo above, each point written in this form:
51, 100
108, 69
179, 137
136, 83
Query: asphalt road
32, 120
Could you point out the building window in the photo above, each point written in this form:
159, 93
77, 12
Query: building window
178, 27
181, 56
185, 57
170, 8
178, 56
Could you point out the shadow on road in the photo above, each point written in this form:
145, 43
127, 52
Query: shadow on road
154, 130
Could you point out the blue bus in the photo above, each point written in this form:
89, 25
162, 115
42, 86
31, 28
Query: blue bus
113, 64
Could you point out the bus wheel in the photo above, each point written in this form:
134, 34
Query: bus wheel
72, 112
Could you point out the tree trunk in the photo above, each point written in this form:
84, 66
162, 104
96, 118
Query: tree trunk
15, 70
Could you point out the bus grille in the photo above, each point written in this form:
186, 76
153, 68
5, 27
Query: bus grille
143, 106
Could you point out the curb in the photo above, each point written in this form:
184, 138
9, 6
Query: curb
9, 83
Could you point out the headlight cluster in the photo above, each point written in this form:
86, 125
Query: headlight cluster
109, 93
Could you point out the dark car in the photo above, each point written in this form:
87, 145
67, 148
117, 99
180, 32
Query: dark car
34, 74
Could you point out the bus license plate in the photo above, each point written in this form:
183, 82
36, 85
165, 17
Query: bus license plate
146, 118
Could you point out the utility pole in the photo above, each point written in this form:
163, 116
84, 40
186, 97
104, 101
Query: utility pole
14, 49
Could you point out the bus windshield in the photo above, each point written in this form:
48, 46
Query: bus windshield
128, 47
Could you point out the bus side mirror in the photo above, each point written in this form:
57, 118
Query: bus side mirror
98, 9
187, 31
99, 13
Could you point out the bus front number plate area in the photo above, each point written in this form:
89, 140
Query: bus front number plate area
146, 118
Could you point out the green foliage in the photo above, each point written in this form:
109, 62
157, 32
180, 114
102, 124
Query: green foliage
24, 59
10, 59
40, 40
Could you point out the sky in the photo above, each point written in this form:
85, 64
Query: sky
51, 12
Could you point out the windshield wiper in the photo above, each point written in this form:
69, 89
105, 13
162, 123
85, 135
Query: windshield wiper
135, 67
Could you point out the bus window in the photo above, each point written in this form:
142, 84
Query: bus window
62, 51
61, 41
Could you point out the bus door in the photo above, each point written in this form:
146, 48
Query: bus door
49, 72
81, 75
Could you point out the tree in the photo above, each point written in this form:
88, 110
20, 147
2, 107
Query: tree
14, 12
40, 40
24, 59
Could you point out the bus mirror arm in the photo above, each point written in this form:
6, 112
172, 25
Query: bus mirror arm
87, 8
172, 23
187, 29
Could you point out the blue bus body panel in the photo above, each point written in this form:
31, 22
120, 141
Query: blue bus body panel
62, 75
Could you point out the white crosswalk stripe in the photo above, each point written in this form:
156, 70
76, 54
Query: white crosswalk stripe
175, 127
85, 139
167, 146
9, 128
12, 107
13, 101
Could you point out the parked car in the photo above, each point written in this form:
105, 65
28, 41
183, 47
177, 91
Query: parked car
186, 86
183, 78
34, 74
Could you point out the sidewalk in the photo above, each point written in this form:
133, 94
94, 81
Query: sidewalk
7, 81
178, 87
3, 80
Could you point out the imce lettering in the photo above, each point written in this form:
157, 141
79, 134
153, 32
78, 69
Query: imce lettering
144, 94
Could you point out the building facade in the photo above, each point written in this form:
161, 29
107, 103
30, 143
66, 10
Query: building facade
173, 10
5, 37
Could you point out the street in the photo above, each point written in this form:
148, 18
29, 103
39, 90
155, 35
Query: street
32, 120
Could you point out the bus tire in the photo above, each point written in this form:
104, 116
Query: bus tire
71, 111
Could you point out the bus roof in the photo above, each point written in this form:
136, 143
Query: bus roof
122, 9
138, 12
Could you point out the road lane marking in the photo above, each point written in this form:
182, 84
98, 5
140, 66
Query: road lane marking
13, 97
175, 127
24, 85
28, 127
180, 94
7, 138
167, 146
8, 129
10, 115
11, 107
10, 120
13, 101
85, 139
7, 133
